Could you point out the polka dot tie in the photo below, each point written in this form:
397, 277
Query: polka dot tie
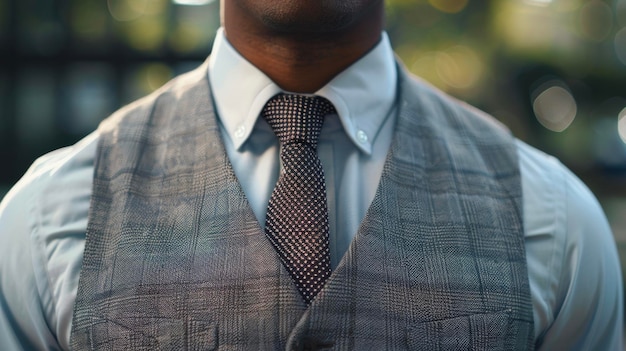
297, 214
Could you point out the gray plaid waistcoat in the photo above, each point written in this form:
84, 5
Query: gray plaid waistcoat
176, 260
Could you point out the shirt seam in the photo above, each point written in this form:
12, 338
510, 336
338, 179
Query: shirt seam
560, 233
38, 258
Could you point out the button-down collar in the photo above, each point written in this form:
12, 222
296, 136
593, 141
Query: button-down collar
363, 94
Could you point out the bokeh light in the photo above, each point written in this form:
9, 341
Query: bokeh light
620, 45
459, 67
621, 124
127, 10
145, 78
146, 33
534, 27
596, 20
554, 106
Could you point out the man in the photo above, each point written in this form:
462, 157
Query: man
439, 230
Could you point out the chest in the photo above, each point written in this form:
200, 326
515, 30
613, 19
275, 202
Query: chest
176, 259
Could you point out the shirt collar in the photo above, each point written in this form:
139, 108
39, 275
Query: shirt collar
363, 94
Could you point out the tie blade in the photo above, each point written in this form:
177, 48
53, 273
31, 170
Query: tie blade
297, 214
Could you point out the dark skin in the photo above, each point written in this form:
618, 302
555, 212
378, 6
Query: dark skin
302, 44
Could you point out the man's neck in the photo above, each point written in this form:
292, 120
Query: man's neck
302, 62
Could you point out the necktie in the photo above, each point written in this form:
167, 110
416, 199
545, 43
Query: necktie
297, 214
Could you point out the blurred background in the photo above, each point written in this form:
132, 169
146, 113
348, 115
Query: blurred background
554, 71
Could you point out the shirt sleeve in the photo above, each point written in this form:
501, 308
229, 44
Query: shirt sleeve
589, 314
574, 269
42, 230
23, 324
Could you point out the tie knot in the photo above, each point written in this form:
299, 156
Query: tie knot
297, 118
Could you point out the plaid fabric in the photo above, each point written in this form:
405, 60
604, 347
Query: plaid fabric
175, 259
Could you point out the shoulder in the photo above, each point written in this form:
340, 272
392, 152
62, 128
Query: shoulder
50, 179
555, 196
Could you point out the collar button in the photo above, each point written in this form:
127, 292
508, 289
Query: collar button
362, 137
240, 132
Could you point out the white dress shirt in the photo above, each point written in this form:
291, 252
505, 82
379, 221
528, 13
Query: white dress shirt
573, 266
